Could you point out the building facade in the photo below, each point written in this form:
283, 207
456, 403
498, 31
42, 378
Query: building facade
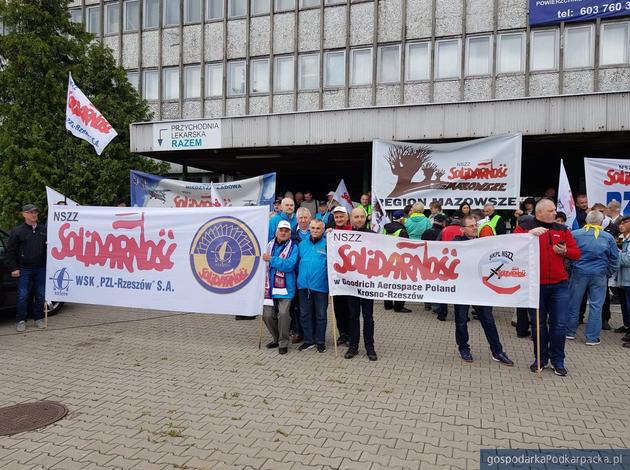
233, 59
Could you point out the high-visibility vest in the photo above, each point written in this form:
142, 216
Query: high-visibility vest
395, 234
492, 223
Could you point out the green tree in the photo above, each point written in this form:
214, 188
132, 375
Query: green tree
37, 53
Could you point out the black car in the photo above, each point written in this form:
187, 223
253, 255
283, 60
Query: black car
8, 284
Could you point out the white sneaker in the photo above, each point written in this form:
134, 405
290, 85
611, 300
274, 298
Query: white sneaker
593, 343
571, 337
40, 324
21, 326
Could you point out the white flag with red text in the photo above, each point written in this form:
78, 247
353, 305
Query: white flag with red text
342, 196
566, 203
85, 121
379, 217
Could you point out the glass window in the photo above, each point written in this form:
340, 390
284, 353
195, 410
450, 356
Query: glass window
151, 13
510, 52
236, 78
309, 72
310, 3
578, 47
389, 64
447, 59
544, 50
283, 5
361, 66
237, 8
215, 9
171, 12
170, 83
260, 7
192, 11
334, 69
259, 74
150, 85
283, 74
75, 17
192, 81
133, 78
132, 15
214, 80
112, 18
478, 56
94, 20
613, 48
334, 2
418, 61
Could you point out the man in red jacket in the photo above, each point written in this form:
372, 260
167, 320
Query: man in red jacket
556, 244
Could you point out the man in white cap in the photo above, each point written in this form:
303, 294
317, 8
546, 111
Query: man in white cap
281, 256
26, 260
341, 221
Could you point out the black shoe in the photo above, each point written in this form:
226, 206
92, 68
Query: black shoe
403, 310
305, 347
271, 345
441, 318
388, 307
372, 355
626, 338
513, 323
343, 339
523, 335
283, 350
626, 345
561, 371
622, 329
427, 307
606, 326
244, 317
534, 367
350, 353
321, 348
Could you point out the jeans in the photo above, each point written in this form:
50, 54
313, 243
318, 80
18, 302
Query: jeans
624, 300
522, 321
340, 304
487, 323
313, 307
35, 277
296, 322
553, 323
441, 310
357, 305
596, 286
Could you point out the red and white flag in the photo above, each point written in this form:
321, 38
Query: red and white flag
566, 203
85, 121
343, 197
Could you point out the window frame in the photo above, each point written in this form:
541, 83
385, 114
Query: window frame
137, 74
126, 3
187, 11
436, 60
318, 4
188, 68
96, 8
379, 62
145, 11
108, 7
317, 71
276, 9
556, 52
352, 60
209, 66
229, 77
500, 37
252, 68
591, 55
166, 71
467, 73
229, 6
263, 13
325, 81
78, 10
276, 60
408, 46
626, 57
145, 72
165, 11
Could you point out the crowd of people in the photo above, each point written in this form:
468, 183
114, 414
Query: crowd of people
587, 263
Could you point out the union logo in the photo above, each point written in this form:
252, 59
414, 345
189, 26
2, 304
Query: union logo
224, 255
500, 274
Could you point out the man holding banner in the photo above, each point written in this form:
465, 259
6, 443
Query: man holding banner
281, 257
556, 244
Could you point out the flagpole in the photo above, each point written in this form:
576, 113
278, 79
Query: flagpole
65, 176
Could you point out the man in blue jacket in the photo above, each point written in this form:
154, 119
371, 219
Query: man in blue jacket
598, 261
281, 256
312, 285
287, 213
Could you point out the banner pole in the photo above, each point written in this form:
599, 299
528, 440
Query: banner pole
45, 314
65, 176
260, 331
334, 325
538, 361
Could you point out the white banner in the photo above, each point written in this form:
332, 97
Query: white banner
188, 260
149, 190
500, 271
343, 197
475, 171
608, 179
86, 122
566, 203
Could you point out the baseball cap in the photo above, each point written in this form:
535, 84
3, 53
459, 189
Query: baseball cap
440, 218
398, 215
340, 209
330, 193
30, 208
284, 224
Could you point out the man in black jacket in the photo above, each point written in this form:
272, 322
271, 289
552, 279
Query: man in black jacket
397, 229
26, 259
